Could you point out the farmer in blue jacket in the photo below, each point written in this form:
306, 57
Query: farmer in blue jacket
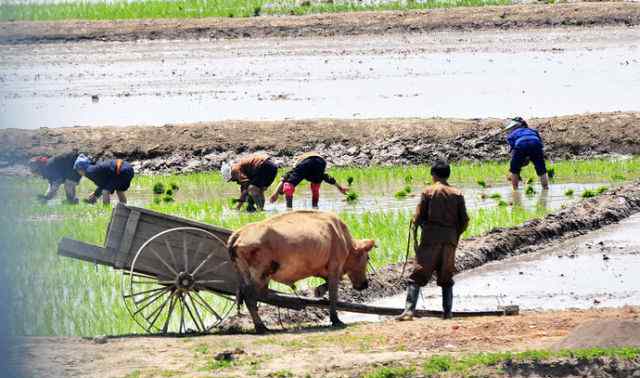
108, 175
526, 145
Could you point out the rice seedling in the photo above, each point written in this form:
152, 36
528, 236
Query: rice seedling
588, 193
502, 203
408, 179
617, 177
158, 188
482, 184
351, 196
569, 192
530, 190
551, 172
401, 194
174, 187
495, 196
167, 198
350, 180
602, 189
169, 192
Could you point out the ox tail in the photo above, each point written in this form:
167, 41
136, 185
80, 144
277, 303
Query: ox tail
233, 256
231, 247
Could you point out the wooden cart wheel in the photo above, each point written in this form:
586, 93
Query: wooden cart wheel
169, 288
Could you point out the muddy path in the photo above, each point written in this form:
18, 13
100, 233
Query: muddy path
328, 25
200, 147
320, 352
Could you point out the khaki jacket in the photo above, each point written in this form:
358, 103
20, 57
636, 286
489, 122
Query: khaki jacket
442, 214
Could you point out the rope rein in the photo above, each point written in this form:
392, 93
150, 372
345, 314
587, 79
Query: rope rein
406, 256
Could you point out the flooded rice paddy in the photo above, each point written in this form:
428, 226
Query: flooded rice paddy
452, 74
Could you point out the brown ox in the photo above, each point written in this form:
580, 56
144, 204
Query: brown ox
293, 246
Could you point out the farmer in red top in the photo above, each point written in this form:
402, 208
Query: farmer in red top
311, 167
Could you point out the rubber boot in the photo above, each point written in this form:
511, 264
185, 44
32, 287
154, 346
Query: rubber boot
289, 202
413, 291
251, 208
447, 302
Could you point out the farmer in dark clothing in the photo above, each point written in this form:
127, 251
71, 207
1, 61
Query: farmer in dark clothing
311, 167
109, 176
525, 145
442, 216
255, 173
58, 170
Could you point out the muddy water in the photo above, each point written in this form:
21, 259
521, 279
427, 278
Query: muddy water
595, 270
450, 74
331, 200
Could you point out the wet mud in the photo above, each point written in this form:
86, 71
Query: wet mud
328, 25
201, 147
459, 74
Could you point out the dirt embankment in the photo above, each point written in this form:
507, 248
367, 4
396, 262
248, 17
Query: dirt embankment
199, 147
516, 16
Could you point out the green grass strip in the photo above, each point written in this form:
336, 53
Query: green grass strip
151, 9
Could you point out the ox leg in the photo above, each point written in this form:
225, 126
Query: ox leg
249, 295
251, 300
333, 299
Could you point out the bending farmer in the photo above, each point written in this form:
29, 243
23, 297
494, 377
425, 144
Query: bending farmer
57, 170
254, 174
442, 215
311, 167
108, 175
525, 144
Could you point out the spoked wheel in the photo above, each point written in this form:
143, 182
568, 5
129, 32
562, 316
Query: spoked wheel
169, 287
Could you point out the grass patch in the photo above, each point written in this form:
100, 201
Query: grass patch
391, 372
144, 9
465, 365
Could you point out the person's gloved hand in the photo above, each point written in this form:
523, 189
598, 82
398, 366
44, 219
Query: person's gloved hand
91, 199
343, 190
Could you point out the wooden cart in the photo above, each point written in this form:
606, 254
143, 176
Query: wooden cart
177, 276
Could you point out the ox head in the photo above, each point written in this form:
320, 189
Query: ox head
356, 265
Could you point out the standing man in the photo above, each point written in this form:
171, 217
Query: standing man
525, 144
254, 173
109, 176
442, 215
311, 167
58, 170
